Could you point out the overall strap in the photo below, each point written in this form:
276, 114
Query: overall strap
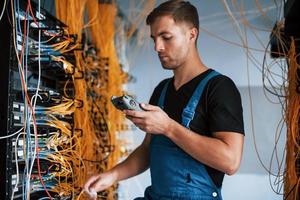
189, 111
161, 100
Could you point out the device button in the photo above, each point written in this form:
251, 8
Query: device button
132, 103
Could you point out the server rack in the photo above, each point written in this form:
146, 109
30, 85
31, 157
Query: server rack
17, 150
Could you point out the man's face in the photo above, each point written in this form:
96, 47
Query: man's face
171, 41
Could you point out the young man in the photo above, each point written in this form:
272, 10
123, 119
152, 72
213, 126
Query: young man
194, 124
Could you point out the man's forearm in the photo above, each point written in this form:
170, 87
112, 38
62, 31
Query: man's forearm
223, 152
136, 163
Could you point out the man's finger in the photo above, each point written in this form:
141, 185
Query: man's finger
91, 180
92, 194
133, 113
129, 117
149, 107
137, 121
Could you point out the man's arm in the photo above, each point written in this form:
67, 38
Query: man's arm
222, 152
136, 163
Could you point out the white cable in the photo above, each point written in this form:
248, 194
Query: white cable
235, 21
220, 15
4, 6
34, 153
11, 135
35, 99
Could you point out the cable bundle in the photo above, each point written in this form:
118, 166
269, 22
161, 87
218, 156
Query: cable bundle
292, 176
102, 79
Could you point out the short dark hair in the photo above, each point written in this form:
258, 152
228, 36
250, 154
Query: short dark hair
181, 11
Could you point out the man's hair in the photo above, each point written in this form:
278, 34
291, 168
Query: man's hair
181, 11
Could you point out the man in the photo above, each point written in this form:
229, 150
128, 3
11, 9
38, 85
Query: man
194, 124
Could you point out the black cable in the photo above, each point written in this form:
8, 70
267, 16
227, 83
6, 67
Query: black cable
264, 76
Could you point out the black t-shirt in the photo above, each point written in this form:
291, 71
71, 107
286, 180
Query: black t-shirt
219, 109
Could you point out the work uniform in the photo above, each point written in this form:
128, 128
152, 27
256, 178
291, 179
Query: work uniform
208, 103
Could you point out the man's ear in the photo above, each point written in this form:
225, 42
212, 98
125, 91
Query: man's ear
193, 34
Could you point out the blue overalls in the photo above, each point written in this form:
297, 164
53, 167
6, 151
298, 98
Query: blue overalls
174, 173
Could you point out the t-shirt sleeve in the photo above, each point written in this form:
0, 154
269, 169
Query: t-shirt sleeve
225, 112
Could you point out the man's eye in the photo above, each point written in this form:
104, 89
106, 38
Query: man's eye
167, 38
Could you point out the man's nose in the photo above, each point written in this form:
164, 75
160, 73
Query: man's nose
159, 46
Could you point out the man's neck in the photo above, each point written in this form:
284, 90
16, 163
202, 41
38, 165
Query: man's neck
189, 70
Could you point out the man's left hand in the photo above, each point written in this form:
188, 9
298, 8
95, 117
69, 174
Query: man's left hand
153, 120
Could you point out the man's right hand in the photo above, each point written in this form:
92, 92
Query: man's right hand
99, 182
136, 163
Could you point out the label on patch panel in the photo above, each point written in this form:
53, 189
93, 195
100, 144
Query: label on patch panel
20, 153
18, 119
19, 47
20, 143
14, 182
16, 106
